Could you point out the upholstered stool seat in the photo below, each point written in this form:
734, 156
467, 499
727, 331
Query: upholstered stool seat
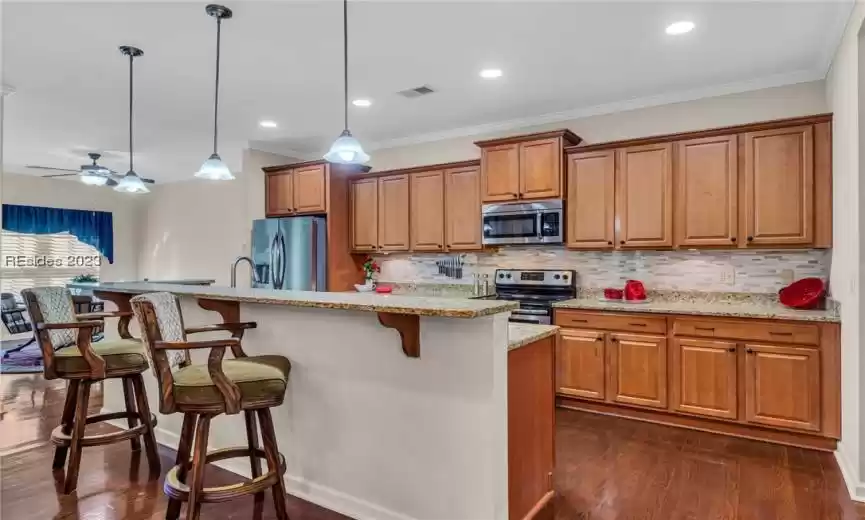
68, 353
259, 379
248, 384
121, 356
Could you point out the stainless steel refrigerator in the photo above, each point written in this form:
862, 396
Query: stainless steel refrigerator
290, 253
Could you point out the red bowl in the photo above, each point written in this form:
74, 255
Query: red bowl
807, 293
634, 290
613, 294
383, 289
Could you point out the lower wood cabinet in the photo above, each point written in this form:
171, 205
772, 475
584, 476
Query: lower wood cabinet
638, 370
704, 378
782, 386
581, 365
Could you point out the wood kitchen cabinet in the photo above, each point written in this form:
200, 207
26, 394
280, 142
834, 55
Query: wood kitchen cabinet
462, 208
581, 364
528, 167
782, 386
279, 200
309, 194
427, 211
591, 200
393, 213
707, 191
364, 215
704, 378
638, 369
778, 188
644, 202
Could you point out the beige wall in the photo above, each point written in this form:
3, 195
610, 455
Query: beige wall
195, 229
844, 92
126, 209
734, 109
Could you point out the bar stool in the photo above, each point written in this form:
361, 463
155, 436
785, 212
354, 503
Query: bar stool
252, 384
67, 352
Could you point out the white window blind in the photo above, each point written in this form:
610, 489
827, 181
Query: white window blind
23, 259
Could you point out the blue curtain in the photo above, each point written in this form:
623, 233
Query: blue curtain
91, 227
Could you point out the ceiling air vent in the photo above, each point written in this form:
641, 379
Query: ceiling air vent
416, 92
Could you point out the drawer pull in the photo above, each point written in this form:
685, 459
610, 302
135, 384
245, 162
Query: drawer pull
709, 329
579, 321
773, 333
638, 324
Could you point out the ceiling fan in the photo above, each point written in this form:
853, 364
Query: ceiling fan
93, 174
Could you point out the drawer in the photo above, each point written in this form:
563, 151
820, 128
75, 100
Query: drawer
611, 321
745, 330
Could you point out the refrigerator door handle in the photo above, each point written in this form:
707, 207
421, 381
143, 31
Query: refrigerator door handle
313, 283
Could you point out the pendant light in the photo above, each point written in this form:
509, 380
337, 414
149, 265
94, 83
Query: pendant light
131, 182
213, 168
346, 149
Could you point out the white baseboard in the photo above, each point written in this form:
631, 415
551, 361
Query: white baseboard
318, 494
855, 487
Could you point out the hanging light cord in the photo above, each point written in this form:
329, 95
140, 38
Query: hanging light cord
216, 95
345, 62
130, 112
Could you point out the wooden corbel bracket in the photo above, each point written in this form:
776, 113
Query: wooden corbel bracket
229, 310
408, 326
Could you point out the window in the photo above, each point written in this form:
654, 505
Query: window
29, 260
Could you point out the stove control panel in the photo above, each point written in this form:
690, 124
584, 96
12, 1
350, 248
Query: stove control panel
542, 277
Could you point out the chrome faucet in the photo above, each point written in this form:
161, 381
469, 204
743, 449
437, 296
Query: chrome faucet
234, 270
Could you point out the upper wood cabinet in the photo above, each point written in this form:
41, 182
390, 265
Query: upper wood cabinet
782, 386
707, 191
364, 215
462, 208
581, 364
528, 167
279, 200
644, 202
393, 213
638, 369
310, 189
778, 190
703, 378
427, 211
591, 200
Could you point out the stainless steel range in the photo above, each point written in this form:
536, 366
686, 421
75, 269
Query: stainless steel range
536, 291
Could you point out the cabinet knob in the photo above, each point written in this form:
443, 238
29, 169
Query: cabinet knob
733, 239
731, 349
614, 339
750, 239
609, 242
622, 242
599, 338
439, 246
749, 351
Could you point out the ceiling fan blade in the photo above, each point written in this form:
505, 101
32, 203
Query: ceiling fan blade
36, 167
59, 175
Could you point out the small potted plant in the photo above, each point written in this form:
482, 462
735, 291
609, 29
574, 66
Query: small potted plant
370, 267
83, 278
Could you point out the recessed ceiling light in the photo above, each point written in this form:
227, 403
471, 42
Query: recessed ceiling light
491, 73
361, 102
267, 124
680, 27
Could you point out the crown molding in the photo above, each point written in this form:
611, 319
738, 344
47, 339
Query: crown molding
777, 80
276, 148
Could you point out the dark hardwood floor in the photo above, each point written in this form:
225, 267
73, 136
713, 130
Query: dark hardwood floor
607, 469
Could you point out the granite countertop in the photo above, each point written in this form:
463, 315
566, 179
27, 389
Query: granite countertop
522, 334
740, 306
371, 302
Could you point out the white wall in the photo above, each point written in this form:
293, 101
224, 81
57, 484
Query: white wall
844, 92
195, 229
747, 107
70, 194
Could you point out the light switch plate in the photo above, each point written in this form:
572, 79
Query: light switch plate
728, 275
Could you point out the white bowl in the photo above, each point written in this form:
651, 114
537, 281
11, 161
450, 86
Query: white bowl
364, 288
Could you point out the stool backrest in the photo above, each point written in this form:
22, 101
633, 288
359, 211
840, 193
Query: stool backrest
160, 319
51, 305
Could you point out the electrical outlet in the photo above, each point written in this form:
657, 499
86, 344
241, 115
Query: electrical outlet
787, 276
728, 275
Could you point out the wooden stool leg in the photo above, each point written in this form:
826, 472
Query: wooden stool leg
132, 422
187, 431
77, 434
271, 451
199, 454
137, 384
66, 421
252, 444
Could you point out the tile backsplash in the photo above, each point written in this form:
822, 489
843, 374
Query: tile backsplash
703, 270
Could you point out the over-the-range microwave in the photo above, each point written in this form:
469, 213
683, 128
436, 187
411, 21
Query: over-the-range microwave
537, 222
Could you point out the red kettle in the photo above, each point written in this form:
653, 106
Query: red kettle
634, 290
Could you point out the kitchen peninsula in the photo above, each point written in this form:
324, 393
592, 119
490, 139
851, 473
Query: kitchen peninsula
413, 423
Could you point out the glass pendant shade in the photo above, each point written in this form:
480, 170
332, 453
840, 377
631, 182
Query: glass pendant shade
214, 169
131, 183
346, 150
93, 180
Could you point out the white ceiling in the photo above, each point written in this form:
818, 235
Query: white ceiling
282, 61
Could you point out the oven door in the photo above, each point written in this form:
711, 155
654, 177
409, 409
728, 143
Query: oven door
529, 315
